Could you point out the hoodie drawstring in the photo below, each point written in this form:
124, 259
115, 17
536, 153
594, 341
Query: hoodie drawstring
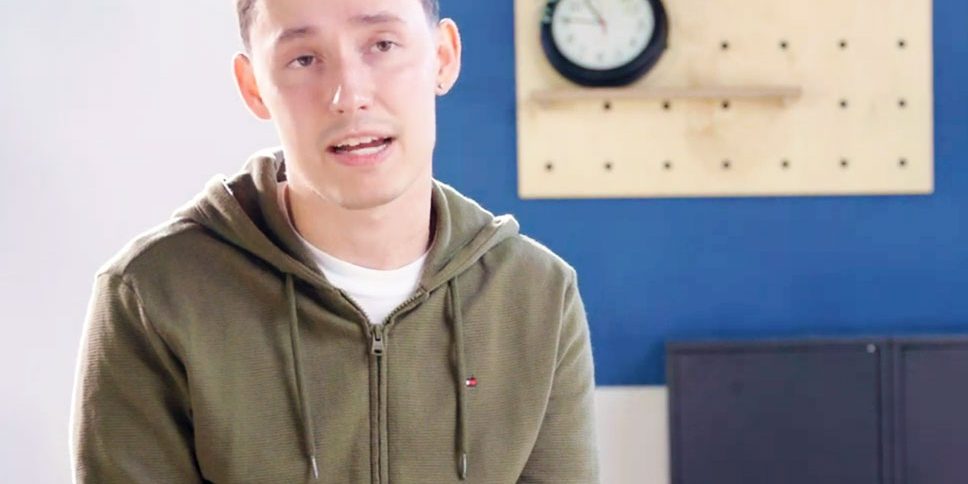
308, 433
307, 422
458, 321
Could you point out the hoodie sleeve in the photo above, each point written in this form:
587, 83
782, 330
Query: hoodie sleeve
566, 450
131, 420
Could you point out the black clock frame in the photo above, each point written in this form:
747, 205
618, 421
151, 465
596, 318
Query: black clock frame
619, 76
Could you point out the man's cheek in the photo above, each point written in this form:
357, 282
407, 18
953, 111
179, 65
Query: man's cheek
305, 104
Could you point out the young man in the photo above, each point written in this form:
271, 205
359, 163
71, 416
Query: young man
332, 313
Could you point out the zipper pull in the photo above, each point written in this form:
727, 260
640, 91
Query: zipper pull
377, 339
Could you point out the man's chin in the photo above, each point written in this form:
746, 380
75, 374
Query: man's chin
366, 201
372, 192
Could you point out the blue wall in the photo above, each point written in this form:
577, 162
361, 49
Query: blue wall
653, 270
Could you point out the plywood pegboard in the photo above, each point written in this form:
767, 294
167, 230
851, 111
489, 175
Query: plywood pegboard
752, 97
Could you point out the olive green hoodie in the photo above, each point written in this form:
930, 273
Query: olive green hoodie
215, 351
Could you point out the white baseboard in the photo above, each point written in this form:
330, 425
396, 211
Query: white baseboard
633, 434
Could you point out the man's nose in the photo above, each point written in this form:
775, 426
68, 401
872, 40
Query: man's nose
352, 91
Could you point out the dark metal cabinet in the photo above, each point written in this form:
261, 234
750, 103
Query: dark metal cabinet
855, 411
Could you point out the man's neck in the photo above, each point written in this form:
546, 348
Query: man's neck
384, 237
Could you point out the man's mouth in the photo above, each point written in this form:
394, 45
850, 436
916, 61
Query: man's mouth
363, 146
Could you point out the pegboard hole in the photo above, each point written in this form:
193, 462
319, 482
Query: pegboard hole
724, 45
549, 166
667, 165
608, 166
843, 104
667, 105
725, 104
842, 44
901, 43
727, 164
902, 103
607, 105
902, 163
785, 164
844, 163
784, 45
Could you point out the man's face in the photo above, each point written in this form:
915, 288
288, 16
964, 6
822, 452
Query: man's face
351, 85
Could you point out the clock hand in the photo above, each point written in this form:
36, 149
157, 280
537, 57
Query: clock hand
598, 15
574, 20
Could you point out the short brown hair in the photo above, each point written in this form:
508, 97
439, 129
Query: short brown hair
245, 10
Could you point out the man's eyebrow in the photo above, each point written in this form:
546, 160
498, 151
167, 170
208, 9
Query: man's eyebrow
376, 18
363, 19
295, 33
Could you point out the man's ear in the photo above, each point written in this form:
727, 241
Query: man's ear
448, 55
248, 88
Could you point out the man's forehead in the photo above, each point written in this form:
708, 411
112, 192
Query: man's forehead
285, 13
279, 21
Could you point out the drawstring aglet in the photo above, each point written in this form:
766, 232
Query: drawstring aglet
315, 469
463, 465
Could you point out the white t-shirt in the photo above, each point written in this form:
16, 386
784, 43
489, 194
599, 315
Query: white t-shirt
377, 292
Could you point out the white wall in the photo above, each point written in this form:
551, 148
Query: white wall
114, 114
632, 434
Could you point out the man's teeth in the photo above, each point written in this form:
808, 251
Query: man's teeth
368, 151
354, 142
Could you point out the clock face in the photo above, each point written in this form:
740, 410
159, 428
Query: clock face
602, 34
604, 42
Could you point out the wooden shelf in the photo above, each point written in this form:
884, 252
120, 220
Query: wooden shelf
776, 101
765, 93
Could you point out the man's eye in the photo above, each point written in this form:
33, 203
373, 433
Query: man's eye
303, 61
385, 45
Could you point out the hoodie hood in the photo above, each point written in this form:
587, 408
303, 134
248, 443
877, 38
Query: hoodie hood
243, 210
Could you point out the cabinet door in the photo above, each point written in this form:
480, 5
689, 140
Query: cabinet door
780, 412
932, 411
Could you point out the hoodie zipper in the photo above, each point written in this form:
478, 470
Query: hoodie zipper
378, 343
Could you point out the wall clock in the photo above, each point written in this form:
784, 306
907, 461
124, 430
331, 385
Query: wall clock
604, 42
